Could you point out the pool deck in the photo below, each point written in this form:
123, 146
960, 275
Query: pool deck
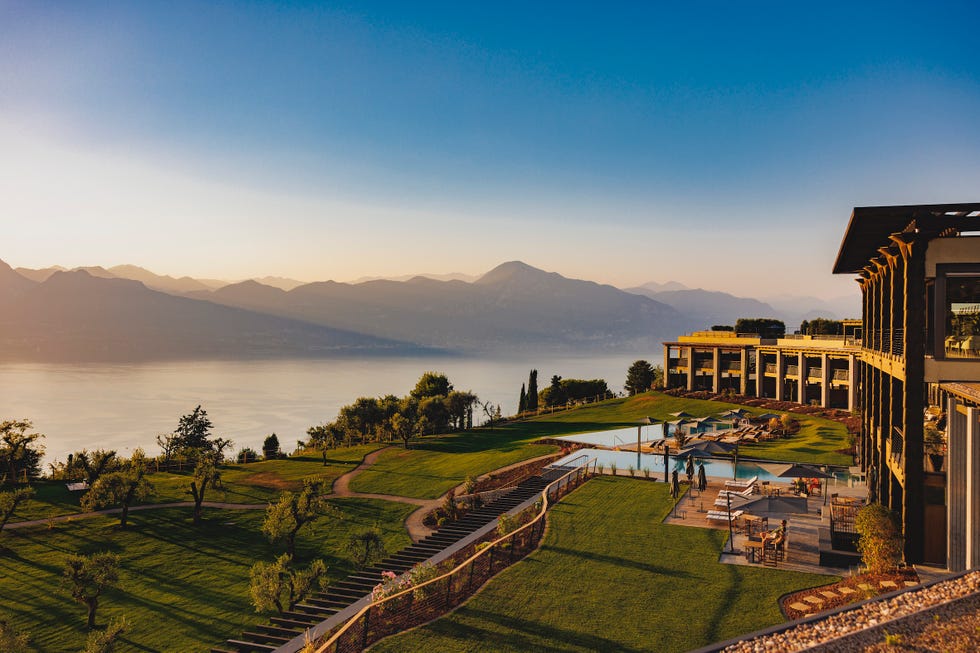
803, 529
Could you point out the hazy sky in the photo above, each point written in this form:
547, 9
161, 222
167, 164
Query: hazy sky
719, 144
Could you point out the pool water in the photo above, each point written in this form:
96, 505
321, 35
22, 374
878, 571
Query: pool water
716, 467
618, 437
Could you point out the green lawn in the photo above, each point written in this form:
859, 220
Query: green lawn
610, 576
259, 482
183, 588
434, 465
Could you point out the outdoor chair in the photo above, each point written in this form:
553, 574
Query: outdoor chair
741, 485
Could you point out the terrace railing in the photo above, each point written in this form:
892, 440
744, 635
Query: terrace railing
431, 599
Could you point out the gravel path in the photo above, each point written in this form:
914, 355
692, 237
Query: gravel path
866, 626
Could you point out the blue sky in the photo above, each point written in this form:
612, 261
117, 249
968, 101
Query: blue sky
719, 144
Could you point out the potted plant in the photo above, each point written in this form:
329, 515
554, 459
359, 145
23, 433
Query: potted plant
934, 442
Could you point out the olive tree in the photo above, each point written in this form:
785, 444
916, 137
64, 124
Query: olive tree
275, 585
205, 473
285, 518
86, 577
123, 488
9, 501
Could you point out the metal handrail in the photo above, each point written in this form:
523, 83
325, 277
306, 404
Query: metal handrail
485, 551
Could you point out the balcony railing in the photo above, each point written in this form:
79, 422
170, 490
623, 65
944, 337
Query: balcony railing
887, 341
842, 375
792, 370
814, 373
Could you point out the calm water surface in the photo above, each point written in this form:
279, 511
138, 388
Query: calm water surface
125, 406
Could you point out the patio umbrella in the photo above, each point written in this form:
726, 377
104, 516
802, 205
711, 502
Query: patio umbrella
734, 412
702, 477
798, 470
775, 504
692, 453
690, 468
713, 448
675, 485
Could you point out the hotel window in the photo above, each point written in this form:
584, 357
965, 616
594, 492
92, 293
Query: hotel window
962, 314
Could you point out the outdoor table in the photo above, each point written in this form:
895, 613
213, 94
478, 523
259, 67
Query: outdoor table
751, 547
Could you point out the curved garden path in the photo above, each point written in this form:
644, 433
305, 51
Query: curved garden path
341, 488
413, 523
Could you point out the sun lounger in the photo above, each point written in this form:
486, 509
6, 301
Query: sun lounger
77, 487
722, 515
741, 485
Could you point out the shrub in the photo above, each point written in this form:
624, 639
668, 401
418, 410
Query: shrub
612, 468
646, 472
632, 471
506, 524
246, 455
880, 541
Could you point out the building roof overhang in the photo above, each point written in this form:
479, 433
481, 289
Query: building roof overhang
870, 227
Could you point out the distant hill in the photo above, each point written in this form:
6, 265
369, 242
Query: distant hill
708, 307
513, 307
12, 283
450, 276
38, 275
654, 287
159, 282
283, 283
73, 316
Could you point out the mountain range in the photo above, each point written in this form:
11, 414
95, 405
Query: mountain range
128, 313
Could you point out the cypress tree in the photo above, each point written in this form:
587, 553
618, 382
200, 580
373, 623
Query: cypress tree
532, 391
522, 404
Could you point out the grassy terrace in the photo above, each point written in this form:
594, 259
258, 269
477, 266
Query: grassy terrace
610, 576
258, 482
182, 588
436, 464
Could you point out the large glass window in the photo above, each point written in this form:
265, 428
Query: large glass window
962, 317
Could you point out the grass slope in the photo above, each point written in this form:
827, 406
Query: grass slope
611, 577
259, 482
183, 588
436, 464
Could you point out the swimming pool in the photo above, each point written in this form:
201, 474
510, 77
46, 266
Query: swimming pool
716, 467
618, 437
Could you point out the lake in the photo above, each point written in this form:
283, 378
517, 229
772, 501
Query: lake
125, 406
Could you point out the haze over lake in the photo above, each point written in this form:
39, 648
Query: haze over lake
125, 406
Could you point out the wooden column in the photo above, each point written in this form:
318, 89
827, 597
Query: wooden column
760, 372
690, 368
743, 385
957, 530
825, 377
801, 382
667, 367
716, 370
914, 291
780, 380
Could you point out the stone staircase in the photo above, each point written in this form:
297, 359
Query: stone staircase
340, 595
